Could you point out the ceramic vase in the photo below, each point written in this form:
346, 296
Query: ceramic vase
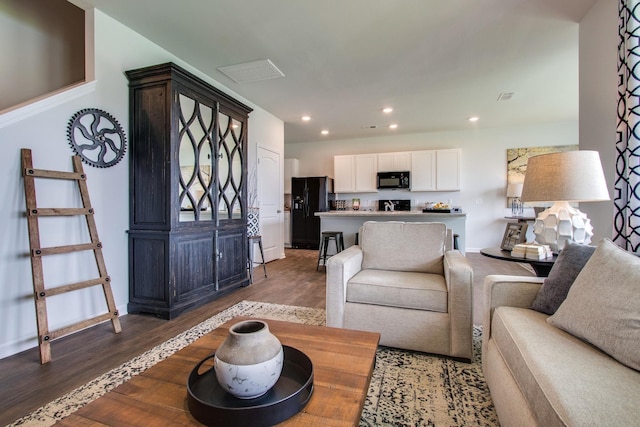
249, 361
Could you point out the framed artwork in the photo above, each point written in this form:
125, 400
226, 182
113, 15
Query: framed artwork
514, 233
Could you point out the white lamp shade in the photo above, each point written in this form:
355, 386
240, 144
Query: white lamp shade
570, 176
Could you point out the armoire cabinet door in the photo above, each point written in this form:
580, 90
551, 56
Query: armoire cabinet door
230, 168
232, 256
196, 129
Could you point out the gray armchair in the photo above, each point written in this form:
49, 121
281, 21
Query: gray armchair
404, 281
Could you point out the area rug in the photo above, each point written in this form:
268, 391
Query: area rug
407, 388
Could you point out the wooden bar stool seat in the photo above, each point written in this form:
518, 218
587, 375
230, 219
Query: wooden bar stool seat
325, 238
253, 240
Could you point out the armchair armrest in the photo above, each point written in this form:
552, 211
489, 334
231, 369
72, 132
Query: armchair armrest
458, 276
340, 268
503, 290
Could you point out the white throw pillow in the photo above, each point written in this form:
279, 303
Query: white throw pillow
603, 304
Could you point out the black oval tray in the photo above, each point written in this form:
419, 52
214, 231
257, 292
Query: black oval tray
210, 404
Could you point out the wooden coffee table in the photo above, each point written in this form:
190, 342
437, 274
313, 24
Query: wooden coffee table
343, 362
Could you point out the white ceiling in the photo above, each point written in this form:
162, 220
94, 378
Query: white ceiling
436, 62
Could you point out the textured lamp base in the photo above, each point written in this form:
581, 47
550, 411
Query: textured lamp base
561, 223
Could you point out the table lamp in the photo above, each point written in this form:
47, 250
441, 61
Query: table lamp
514, 191
562, 178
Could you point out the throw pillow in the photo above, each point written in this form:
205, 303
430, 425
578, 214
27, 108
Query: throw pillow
564, 271
603, 305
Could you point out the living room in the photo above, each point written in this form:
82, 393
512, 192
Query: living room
119, 48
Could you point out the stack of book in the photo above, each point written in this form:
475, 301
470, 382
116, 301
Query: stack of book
531, 251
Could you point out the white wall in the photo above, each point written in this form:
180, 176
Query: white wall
484, 168
598, 98
117, 49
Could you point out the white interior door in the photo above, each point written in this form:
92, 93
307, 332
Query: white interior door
271, 201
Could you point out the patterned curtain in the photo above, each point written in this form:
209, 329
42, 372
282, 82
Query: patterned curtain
627, 180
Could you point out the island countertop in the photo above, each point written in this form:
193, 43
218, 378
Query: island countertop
350, 221
388, 214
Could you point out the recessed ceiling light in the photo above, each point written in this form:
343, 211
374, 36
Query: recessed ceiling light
474, 119
325, 132
393, 126
306, 118
387, 110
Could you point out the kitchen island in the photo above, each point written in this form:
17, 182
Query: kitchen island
350, 221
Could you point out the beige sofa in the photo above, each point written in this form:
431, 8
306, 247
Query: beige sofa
406, 283
541, 375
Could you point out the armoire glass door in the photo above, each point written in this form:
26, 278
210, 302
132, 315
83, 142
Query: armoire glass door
230, 137
196, 129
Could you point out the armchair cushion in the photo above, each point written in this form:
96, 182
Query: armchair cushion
399, 289
403, 246
562, 275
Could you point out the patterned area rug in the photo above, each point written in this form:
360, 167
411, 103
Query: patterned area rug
407, 388
417, 389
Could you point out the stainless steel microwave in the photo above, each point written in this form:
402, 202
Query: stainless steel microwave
393, 180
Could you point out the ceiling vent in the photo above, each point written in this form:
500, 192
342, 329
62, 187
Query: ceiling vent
253, 71
368, 126
505, 96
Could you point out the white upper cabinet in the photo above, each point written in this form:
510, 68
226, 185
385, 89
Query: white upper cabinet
394, 162
291, 168
344, 174
448, 170
355, 173
423, 171
366, 173
435, 170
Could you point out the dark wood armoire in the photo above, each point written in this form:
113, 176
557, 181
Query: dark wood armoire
188, 191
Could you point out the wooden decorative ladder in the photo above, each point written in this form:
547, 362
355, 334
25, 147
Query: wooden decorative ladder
45, 336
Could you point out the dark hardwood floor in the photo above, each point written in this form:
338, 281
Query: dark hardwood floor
78, 358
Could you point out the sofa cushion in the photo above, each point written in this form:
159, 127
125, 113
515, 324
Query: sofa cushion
422, 291
403, 246
565, 380
562, 275
603, 305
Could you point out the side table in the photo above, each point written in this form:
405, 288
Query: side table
521, 219
541, 267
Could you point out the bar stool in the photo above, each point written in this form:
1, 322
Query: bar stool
325, 237
253, 240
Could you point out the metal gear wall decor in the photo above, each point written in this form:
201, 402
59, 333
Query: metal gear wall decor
96, 137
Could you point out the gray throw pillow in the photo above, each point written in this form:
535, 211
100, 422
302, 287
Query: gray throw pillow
603, 305
564, 271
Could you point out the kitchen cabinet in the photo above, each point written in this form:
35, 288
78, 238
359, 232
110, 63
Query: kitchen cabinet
423, 171
435, 170
355, 173
448, 170
344, 174
394, 162
188, 197
291, 169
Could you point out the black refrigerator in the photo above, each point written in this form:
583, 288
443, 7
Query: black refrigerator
308, 196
